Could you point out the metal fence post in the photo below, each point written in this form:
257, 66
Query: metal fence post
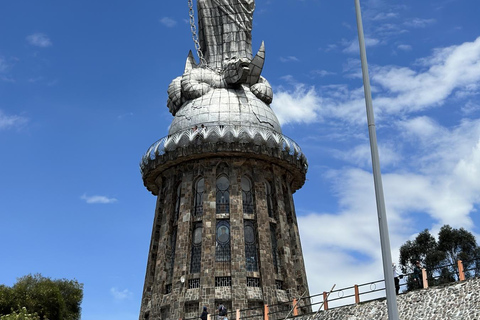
424, 278
357, 294
265, 312
325, 301
461, 272
295, 307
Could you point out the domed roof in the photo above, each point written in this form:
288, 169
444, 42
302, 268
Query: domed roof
228, 107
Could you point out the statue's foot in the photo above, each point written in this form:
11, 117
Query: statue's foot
236, 71
263, 90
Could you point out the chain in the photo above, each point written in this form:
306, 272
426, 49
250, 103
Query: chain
193, 28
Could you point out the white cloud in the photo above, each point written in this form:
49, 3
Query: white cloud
432, 170
329, 47
470, 107
321, 73
419, 23
469, 90
3, 65
360, 155
8, 122
353, 47
438, 180
97, 199
301, 104
289, 59
121, 295
125, 115
402, 89
386, 30
39, 40
404, 47
305, 104
168, 22
385, 16
395, 89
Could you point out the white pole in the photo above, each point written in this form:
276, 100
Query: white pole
377, 177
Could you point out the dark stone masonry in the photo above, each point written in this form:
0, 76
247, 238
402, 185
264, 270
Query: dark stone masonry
269, 271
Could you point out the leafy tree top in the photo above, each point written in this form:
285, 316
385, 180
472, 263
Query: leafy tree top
439, 257
49, 299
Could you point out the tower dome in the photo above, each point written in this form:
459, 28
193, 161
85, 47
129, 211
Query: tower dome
228, 107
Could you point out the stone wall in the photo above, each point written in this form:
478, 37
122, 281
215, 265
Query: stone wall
456, 301
184, 270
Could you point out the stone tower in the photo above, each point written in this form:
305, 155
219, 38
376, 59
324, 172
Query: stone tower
225, 229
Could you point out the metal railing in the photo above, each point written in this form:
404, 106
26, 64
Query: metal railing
351, 295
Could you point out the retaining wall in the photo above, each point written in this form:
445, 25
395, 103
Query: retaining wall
456, 301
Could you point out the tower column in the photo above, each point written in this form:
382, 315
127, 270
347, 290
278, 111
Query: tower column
266, 267
239, 280
207, 275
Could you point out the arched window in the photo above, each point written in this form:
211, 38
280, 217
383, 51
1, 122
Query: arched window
198, 197
247, 195
178, 199
251, 256
223, 195
196, 248
270, 209
222, 246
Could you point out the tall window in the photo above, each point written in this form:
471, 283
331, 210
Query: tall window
196, 248
247, 195
268, 187
223, 195
222, 246
273, 234
198, 198
288, 205
173, 243
250, 246
178, 199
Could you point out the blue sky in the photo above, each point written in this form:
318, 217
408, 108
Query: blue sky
83, 95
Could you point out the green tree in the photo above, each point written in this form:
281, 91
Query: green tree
50, 299
20, 315
440, 257
476, 268
423, 249
6, 299
458, 244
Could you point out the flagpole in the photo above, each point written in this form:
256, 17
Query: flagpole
377, 177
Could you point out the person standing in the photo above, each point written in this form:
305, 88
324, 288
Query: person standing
396, 278
417, 275
222, 312
204, 315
